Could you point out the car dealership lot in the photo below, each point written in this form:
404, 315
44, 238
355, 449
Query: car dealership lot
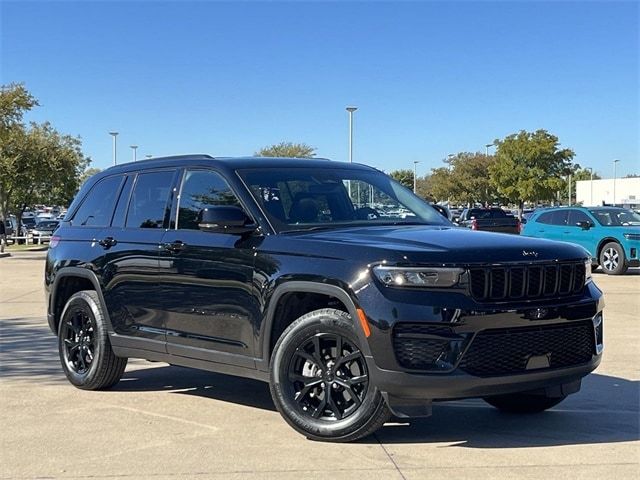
169, 422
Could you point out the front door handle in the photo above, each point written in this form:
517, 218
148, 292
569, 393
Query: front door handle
107, 242
174, 247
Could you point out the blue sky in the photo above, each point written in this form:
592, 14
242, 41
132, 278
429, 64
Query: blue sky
429, 78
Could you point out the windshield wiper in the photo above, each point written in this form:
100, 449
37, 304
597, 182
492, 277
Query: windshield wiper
310, 229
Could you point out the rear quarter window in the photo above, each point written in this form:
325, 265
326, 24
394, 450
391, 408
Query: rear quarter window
97, 206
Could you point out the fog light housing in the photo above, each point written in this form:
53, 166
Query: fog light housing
598, 331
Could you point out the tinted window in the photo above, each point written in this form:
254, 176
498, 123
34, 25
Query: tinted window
487, 213
556, 217
201, 189
123, 201
97, 207
576, 216
148, 206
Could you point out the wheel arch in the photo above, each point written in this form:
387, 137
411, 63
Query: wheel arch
68, 281
603, 242
304, 287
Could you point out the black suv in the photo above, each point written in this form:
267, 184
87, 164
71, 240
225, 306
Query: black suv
350, 295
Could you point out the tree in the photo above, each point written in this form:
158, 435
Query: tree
38, 164
87, 174
287, 149
530, 166
404, 177
424, 188
577, 175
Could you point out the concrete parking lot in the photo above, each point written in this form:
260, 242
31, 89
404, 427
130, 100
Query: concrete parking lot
169, 422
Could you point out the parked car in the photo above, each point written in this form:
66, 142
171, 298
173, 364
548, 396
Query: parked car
264, 268
43, 230
611, 235
489, 219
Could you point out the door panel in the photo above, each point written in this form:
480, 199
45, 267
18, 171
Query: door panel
207, 278
207, 283
131, 258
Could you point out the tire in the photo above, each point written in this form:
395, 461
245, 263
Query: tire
304, 366
523, 402
612, 259
85, 351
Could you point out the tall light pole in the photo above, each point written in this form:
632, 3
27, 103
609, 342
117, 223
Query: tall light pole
486, 148
590, 185
135, 152
615, 165
415, 177
115, 158
351, 110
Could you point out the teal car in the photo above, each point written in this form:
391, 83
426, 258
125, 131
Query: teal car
610, 234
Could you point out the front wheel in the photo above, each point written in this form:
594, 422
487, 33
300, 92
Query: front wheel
320, 382
523, 402
83, 343
612, 259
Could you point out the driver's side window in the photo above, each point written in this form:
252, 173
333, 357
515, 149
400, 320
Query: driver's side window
201, 189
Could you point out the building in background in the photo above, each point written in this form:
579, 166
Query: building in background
600, 192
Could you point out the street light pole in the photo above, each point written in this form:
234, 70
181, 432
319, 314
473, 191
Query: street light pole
351, 110
590, 186
486, 148
415, 178
615, 165
114, 135
135, 153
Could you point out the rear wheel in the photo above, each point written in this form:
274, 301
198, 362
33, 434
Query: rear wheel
612, 259
83, 343
523, 403
320, 382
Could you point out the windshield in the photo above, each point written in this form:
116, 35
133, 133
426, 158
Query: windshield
616, 217
314, 198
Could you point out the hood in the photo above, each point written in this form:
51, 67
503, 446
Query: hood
418, 244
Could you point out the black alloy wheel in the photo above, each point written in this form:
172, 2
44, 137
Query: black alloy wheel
320, 381
85, 350
78, 333
328, 377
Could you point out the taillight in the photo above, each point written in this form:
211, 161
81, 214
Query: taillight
520, 226
54, 241
474, 224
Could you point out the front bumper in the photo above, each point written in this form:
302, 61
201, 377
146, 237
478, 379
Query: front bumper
451, 376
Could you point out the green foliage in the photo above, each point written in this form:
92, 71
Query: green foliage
466, 180
38, 164
287, 150
404, 177
87, 174
577, 175
530, 166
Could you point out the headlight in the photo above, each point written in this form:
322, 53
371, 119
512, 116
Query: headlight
417, 276
587, 271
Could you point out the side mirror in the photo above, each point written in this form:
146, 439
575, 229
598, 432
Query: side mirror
225, 219
584, 225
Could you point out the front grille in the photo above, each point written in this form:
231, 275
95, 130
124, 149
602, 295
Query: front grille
524, 282
417, 346
507, 351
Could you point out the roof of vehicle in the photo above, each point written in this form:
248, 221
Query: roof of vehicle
232, 163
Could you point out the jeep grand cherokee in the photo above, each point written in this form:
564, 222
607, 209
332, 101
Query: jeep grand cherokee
350, 295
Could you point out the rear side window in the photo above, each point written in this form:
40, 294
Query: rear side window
201, 189
148, 205
557, 217
123, 201
97, 207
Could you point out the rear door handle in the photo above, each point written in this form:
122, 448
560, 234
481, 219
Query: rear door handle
107, 242
174, 247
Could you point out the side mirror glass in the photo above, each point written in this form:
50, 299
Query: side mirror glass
225, 219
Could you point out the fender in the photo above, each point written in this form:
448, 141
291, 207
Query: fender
262, 363
81, 273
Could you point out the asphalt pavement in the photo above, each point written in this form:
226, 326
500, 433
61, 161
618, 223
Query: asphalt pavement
164, 422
